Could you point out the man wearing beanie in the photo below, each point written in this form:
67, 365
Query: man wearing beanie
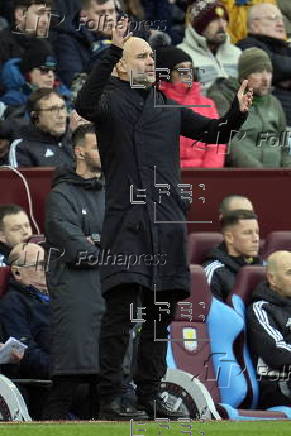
266, 30
20, 77
262, 142
207, 42
184, 88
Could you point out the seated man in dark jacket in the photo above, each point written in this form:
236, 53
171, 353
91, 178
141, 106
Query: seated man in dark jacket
269, 321
240, 247
46, 141
266, 30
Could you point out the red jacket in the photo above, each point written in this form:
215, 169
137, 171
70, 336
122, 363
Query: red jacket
198, 155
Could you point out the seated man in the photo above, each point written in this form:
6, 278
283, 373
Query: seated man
15, 229
240, 247
46, 141
266, 30
269, 332
262, 141
234, 202
24, 309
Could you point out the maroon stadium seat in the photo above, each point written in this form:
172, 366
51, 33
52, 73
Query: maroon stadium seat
4, 277
277, 240
246, 281
200, 244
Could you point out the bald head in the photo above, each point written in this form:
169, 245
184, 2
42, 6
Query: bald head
266, 19
279, 272
137, 63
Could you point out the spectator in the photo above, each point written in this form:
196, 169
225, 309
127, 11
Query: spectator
45, 142
31, 19
207, 42
74, 216
262, 142
181, 88
240, 247
14, 229
234, 202
285, 7
266, 30
20, 77
80, 45
269, 316
6, 135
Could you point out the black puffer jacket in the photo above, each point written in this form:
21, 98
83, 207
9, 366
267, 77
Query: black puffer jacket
75, 211
221, 270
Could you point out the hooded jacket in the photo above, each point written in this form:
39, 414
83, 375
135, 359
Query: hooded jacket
195, 154
269, 336
223, 64
221, 270
36, 148
25, 316
74, 213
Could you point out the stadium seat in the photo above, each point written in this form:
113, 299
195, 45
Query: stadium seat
277, 240
36, 239
200, 244
4, 277
236, 375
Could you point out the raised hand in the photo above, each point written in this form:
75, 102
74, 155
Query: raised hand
245, 100
119, 32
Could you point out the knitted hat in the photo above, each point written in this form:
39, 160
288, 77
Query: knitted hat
38, 54
205, 11
170, 56
253, 60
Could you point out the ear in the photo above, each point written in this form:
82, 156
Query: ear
271, 279
121, 66
228, 237
79, 153
19, 14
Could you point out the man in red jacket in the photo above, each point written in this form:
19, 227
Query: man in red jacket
184, 89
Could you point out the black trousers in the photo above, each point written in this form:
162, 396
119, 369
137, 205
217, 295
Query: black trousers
151, 357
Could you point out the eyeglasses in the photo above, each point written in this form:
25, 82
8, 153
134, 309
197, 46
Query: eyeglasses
55, 109
46, 70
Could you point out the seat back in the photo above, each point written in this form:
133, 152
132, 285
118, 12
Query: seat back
277, 240
4, 277
200, 244
189, 346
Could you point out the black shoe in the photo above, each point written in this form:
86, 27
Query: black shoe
115, 410
157, 408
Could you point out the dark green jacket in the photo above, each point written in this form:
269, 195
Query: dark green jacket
262, 141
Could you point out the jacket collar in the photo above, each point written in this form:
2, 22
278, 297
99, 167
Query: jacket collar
268, 39
196, 41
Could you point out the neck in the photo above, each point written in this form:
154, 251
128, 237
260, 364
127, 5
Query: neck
212, 47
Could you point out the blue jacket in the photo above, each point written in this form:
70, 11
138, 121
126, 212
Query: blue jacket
25, 316
16, 89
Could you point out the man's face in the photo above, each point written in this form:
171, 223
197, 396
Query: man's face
16, 229
260, 82
240, 204
138, 62
178, 76
35, 19
52, 115
42, 77
269, 21
31, 269
280, 279
101, 18
91, 152
242, 239
215, 32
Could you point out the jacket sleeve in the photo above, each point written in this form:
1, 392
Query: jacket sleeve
214, 280
15, 322
19, 155
210, 131
244, 153
64, 231
90, 104
265, 336
286, 146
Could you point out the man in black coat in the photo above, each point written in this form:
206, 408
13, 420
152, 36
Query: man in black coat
240, 247
74, 216
269, 334
266, 31
144, 232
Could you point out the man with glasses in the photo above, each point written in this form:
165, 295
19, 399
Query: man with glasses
46, 141
266, 30
15, 229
